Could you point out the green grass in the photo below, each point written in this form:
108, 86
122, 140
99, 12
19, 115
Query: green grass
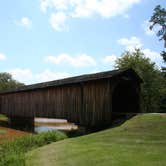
2, 131
140, 141
12, 152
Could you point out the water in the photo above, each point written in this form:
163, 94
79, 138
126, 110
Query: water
50, 120
40, 129
44, 125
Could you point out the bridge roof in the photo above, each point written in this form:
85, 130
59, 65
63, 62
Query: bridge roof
76, 79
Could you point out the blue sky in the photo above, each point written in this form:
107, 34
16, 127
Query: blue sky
42, 40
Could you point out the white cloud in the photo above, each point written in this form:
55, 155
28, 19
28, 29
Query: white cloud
48, 75
126, 16
22, 75
95, 71
56, 4
146, 29
153, 56
2, 57
110, 60
28, 77
104, 8
57, 21
130, 43
87, 8
25, 22
61, 4
81, 60
134, 42
44, 4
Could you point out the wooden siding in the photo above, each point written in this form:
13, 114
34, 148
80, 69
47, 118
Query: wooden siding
97, 103
84, 104
87, 103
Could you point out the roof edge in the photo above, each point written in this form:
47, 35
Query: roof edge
72, 80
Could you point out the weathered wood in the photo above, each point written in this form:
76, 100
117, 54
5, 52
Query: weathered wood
87, 101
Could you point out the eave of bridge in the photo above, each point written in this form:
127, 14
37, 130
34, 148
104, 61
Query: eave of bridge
74, 80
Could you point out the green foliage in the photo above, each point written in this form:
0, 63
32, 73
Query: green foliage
2, 131
159, 18
7, 82
153, 86
12, 152
163, 54
3, 117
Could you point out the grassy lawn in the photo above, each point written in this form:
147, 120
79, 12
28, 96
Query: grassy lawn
141, 141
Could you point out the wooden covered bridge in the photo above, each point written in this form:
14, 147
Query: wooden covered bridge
87, 100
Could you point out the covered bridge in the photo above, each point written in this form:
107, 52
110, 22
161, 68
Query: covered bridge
88, 100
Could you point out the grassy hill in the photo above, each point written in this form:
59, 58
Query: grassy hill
140, 141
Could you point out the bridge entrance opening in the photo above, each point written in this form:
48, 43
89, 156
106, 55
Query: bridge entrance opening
125, 99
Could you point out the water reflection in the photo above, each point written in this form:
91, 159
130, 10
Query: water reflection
40, 129
44, 125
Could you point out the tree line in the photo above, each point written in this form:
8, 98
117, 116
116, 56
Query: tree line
7, 81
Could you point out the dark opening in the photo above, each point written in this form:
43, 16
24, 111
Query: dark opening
125, 98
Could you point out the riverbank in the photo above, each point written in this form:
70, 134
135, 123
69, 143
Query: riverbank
9, 133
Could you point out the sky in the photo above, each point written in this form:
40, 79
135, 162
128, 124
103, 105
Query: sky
43, 40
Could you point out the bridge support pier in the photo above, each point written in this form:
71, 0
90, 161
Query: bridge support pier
22, 123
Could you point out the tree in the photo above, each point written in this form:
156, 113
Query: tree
153, 87
159, 18
7, 82
163, 54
